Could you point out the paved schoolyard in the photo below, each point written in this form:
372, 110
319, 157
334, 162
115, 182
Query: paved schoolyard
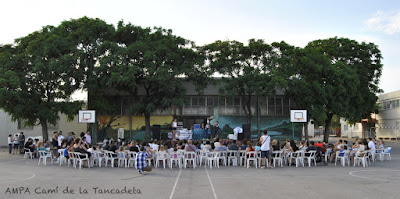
23, 178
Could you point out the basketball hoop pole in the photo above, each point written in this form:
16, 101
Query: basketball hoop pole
292, 131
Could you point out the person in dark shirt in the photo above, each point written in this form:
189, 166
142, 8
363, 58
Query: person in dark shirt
233, 146
29, 145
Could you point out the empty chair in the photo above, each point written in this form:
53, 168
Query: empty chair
189, 157
242, 157
277, 157
222, 157
98, 158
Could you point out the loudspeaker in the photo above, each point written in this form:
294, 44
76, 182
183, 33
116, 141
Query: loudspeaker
156, 132
246, 131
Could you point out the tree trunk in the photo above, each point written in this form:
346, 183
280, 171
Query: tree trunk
306, 131
43, 123
147, 122
328, 122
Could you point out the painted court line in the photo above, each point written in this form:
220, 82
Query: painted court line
176, 182
378, 179
212, 187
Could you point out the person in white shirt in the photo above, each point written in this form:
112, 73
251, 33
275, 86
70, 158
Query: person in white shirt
60, 138
10, 144
372, 148
265, 141
174, 126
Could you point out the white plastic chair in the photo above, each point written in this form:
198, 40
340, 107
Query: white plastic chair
232, 157
161, 156
43, 155
189, 157
98, 158
81, 159
176, 158
277, 157
213, 159
298, 157
222, 157
327, 155
122, 158
72, 158
310, 157
61, 157
387, 152
251, 156
343, 157
204, 155
242, 157
111, 156
27, 152
361, 157
131, 158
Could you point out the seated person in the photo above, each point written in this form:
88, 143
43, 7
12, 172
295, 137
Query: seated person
29, 145
233, 146
141, 161
190, 147
207, 146
221, 148
249, 147
275, 145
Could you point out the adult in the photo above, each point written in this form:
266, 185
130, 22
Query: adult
16, 144
265, 141
60, 139
29, 145
206, 126
217, 143
88, 137
190, 147
207, 146
10, 143
221, 147
141, 158
233, 146
21, 140
174, 126
216, 129
371, 146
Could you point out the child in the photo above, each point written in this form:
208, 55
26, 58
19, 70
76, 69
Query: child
141, 161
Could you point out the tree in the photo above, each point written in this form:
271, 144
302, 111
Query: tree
38, 75
336, 76
245, 70
90, 38
153, 65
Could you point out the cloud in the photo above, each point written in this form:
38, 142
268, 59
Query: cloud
387, 22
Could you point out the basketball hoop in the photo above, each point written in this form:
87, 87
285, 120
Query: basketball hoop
85, 119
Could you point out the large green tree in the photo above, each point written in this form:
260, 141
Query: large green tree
38, 74
153, 65
245, 70
336, 76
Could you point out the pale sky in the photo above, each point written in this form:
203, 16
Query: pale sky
296, 22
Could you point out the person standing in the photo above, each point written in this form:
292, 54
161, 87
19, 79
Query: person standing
174, 126
206, 126
265, 141
21, 140
10, 144
216, 129
16, 144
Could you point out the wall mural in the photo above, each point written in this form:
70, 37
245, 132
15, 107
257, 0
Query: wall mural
278, 127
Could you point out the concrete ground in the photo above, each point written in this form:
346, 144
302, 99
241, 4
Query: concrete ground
23, 178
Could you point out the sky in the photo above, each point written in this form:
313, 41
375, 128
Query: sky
296, 22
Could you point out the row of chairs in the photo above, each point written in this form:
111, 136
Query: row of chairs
364, 157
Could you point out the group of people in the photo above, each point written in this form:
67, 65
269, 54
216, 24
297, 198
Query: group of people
16, 143
359, 146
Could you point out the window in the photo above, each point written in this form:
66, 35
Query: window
195, 101
237, 101
395, 103
346, 127
355, 127
222, 101
210, 101
202, 101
